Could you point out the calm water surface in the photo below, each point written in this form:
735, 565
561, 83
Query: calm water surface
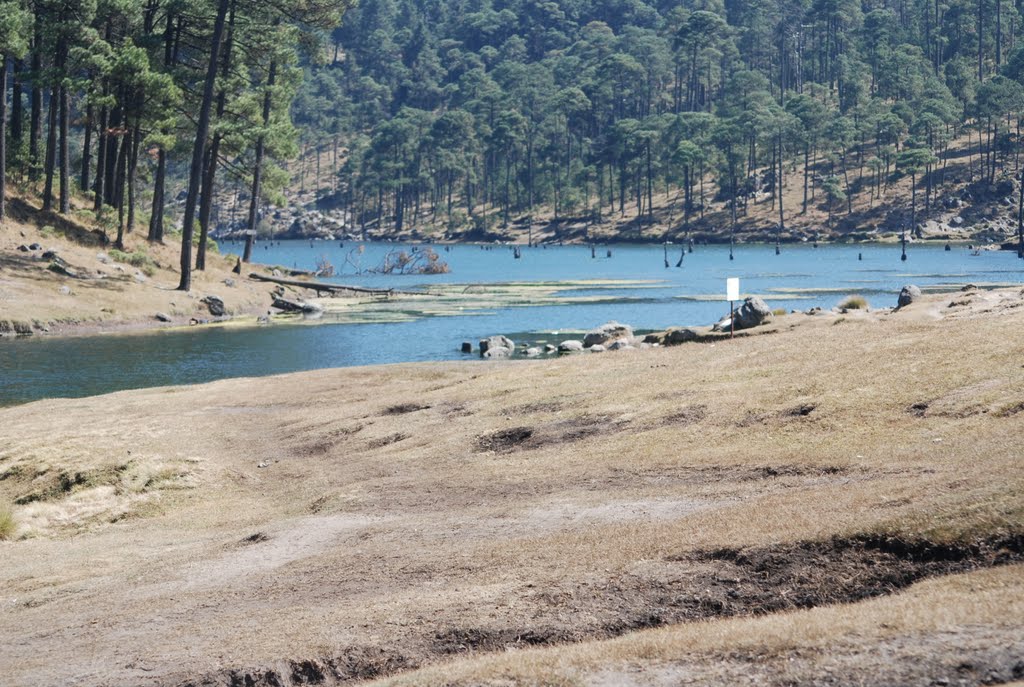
802, 277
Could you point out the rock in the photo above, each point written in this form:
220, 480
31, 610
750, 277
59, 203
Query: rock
908, 294
570, 346
21, 328
64, 290
619, 344
494, 342
467, 347
968, 287
752, 313
497, 352
229, 282
103, 257
722, 325
139, 277
215, 305
609, 331
532, 352
678, 336
262, 319
23, 248
550, 348
288, 305
50, 255
35, 246
957, 221
59, 266
598, 348
163, 317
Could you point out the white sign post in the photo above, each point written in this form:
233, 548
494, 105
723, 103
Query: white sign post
732, 293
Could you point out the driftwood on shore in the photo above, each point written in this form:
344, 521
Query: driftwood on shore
320, 286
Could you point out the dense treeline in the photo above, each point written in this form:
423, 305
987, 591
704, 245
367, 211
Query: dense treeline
117, 98
465, 112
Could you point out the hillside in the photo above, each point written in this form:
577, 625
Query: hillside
723, 513
61, 275
499, 119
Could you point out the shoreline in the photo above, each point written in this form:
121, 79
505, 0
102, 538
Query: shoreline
415, 509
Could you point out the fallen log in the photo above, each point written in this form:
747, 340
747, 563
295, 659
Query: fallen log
320, 286
287, 305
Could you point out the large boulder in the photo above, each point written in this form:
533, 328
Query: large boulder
606, 333
493, 343
752, 313
570, 346
678, 336
908, 294
215, 305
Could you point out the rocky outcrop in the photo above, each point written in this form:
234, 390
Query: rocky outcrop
497, 347
606, 333
215, 305
752, 313
570, 346
908, 294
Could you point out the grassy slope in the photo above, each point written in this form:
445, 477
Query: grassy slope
110, 296
351, 522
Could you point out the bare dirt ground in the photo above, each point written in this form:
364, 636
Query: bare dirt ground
107, 295
838, 502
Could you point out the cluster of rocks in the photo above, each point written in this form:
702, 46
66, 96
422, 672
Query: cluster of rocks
614, 336
611, 336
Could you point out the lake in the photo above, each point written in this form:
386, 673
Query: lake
636, 289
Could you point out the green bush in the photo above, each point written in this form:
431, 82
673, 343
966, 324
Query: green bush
137, 259
779, 311
211, 245
7, 524
48, 232
854, 303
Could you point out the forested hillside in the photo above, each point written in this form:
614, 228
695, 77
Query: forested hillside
137, 104
474, 115
586, 120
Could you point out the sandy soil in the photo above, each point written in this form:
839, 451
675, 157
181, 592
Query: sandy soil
839, 502
108, 296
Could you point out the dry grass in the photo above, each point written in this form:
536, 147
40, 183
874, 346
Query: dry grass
125, 290
8, 525
854, 303
361, 519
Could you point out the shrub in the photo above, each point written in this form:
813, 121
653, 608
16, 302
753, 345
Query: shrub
137, 259
854, 303
7, 524
48, 232
779, 311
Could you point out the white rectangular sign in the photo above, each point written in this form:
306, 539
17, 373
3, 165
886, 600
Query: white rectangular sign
732, 289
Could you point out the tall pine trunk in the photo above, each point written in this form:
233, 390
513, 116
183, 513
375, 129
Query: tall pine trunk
257, 173
210, 175
3, 135
35, 132
101, 162
51, 149
199, 149
87, 148
65, 156
156, 214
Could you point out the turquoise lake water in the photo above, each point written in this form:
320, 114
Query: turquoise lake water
801, 277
